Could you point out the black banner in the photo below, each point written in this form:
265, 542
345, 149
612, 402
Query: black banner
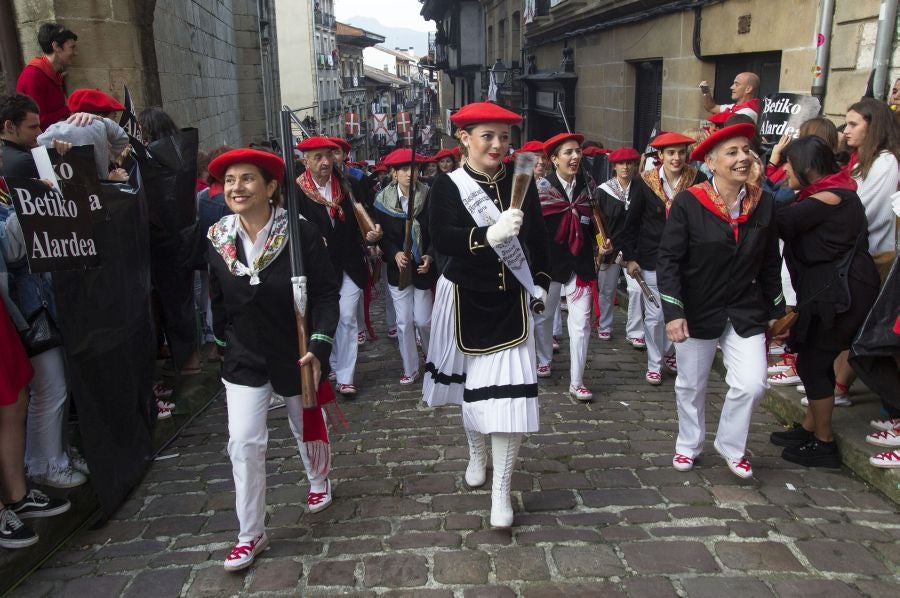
104, 316
57, 231
77, 175
783, 113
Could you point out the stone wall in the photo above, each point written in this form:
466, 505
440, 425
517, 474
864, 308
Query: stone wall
199, 59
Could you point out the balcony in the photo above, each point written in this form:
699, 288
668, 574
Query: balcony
323, 19
352, 82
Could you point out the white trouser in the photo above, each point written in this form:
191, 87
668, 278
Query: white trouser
248, 437
557, 322
44, 447
578, 323
658, 344
343, 357
634, 326
413, 308
745, 362
607, 280
787, 287
390, 314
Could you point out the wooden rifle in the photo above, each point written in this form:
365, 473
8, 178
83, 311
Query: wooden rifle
601, 233
363, 219
406, 273
298, 269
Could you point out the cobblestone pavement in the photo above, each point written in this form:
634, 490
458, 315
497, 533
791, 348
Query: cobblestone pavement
599, 509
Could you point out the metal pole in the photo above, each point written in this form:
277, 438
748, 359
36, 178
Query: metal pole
823, 49
887, 20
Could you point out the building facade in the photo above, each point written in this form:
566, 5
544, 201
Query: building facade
209, 65
356, 105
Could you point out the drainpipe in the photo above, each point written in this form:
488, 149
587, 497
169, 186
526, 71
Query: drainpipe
10, 55
264, 71
887, 20
823, 49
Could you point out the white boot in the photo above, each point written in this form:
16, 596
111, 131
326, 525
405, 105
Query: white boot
476, 472
505, 449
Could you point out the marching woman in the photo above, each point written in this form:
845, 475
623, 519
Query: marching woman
720, 281
614, 197
255, 328
481, 354
644, 223
446, 160
566, 206
413, 303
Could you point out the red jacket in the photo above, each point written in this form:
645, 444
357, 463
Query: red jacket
45, 86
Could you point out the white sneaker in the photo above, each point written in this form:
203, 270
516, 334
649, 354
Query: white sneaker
886, 438
784, 379
543, 371
276, 401
60, 477
242, 555
318, 501
885, 424
776, 349
801, 389
839, 401
739, 467
682, 462
77, 461
886, 460
581, 394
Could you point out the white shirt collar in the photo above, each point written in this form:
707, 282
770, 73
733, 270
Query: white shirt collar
253, 249
740, 198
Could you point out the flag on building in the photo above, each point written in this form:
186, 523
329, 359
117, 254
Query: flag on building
404, 122
351, 123
380, 123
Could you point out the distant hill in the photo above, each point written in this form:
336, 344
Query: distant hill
395, 37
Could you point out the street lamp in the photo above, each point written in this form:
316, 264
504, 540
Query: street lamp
500, 72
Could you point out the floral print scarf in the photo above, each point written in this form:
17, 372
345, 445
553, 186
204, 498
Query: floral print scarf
223, 237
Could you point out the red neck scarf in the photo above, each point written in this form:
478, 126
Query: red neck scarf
553, 201
309, 187
42, 63
838, 180
710, 199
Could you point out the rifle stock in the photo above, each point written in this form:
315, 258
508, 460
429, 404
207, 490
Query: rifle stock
307, 380
782, 324
406, 273
363, 219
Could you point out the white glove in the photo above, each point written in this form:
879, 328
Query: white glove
505, 228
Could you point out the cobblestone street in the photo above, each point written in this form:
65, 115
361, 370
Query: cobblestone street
599, 509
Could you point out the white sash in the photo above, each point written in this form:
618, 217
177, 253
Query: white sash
485, 213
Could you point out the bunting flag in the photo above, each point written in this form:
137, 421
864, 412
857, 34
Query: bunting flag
380, 124
404, 122
129, 121
392, 137
407, 138
351, 123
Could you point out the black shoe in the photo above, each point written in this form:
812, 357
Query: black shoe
14, 533
814, 453
38, 504
793, 437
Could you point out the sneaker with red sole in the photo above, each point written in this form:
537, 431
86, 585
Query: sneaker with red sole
739, 467
886, 460
318, 501
886, 438
346, 389
637, 342
543, 371
243, 554
654, 378
682, 462
604, 335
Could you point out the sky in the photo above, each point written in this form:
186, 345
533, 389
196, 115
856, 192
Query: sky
393, 13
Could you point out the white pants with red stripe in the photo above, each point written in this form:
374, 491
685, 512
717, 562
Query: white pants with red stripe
578, 321
248, 437
413, 308
746, 365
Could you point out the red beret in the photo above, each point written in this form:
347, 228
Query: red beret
556, 140
624, 154
719, 118
316, 142
400, 157
669, 139
92, 100
379, 167
747, 130
426, 159
595, 151
340, 143
456, 153
268, 162
483, 112
508, 158
534, 146
444, 153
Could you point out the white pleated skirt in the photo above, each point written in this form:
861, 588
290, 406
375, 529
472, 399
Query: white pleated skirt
498, 391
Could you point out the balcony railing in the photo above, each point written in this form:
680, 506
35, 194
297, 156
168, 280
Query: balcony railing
323, 19
351, 82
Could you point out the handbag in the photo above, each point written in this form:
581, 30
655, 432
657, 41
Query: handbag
42, 333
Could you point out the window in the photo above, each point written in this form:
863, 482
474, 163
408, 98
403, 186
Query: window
765, 64
515, 39
501, 41
647, 101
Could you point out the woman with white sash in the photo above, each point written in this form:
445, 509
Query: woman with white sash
481, 354
412, 303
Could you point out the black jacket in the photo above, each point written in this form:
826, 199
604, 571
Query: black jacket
562, 262
613, 210
391, 243
345, 244
490, 301
705, 276
17, 161
256, 322
644, 223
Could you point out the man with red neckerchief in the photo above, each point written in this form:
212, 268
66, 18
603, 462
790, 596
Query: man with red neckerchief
743, 94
